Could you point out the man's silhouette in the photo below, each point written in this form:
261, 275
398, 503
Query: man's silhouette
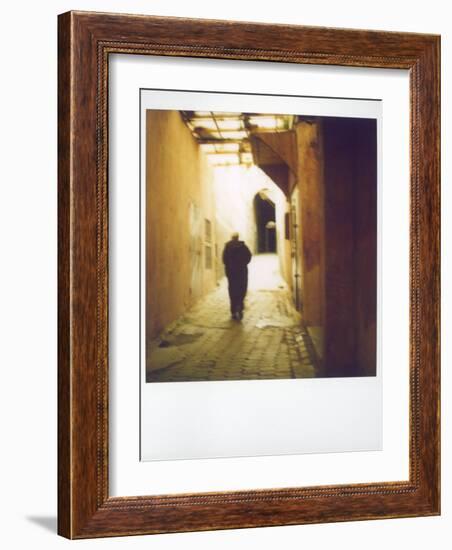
236, 257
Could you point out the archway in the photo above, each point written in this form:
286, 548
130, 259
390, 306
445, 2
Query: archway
265, 216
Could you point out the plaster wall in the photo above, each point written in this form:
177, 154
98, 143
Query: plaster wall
179, 200
310, 225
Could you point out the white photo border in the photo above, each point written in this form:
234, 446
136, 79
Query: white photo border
247, 418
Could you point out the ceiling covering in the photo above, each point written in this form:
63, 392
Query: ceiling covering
225, 136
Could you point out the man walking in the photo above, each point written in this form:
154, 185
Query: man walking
236, 257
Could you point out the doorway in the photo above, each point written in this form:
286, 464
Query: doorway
265, 216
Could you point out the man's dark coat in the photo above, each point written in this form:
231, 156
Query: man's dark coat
236, 257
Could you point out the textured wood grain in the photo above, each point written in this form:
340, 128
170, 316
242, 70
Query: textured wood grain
64, 295
85, 41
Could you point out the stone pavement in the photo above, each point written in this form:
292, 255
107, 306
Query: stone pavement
205, 344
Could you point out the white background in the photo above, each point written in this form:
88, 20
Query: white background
28, 273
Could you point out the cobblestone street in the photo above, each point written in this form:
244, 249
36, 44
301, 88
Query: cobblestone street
205, 344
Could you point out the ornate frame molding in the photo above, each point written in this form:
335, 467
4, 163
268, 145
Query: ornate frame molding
85, 42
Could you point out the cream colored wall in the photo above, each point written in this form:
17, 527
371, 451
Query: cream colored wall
179, 197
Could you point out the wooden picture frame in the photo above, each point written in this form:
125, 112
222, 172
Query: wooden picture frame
85, 508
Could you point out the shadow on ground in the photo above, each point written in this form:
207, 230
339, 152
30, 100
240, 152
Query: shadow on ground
49, 523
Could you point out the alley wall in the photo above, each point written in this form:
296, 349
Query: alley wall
334, 237
311, 222
350, 176
180, 235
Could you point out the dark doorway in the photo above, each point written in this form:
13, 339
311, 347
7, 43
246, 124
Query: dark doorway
264, 210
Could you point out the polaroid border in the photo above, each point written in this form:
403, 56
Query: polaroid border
85, 41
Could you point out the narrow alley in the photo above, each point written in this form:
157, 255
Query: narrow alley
300, 192
205, 344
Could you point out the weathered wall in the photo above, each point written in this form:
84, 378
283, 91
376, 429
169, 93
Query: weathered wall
179, 198
365, 264
284, 244
311, 221
286, 249
350, 174
295, 248
334, 207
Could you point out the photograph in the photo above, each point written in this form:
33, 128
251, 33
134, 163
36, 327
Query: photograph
259, 236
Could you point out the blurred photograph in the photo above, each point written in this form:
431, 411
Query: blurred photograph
260, 246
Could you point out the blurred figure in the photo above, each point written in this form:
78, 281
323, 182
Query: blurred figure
236, 257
